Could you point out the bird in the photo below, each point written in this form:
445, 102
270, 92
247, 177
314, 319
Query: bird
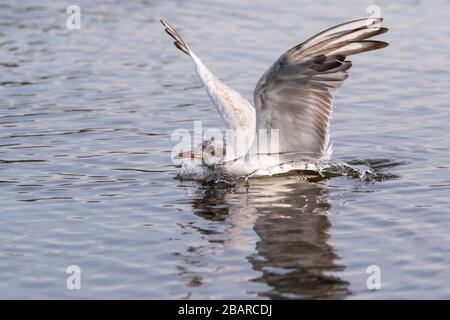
293, 99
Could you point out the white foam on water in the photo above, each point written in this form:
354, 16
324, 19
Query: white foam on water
328, 168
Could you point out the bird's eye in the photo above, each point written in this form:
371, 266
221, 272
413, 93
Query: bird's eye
212, 148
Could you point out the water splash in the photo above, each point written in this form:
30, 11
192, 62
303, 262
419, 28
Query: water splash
311, 170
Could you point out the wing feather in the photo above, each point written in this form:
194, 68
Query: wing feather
295, 94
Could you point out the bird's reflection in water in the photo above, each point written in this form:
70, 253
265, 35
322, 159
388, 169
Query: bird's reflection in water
291, 221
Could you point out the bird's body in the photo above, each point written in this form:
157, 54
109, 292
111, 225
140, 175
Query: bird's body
289, 121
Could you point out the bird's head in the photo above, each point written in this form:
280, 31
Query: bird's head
210, 152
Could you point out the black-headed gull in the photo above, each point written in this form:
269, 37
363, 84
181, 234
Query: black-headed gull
294, 96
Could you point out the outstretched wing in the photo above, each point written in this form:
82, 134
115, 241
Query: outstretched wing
237, 113
234, 109
295, 95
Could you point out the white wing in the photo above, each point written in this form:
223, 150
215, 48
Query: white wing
295, 95
235, 110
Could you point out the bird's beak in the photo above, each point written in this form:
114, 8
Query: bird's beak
189, 155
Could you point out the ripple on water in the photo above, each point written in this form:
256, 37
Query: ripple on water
86, 176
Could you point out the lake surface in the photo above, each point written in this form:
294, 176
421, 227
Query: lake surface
86, 176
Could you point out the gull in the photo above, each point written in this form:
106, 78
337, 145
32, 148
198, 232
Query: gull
294, 96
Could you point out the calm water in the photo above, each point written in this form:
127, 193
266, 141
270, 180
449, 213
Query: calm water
86, 177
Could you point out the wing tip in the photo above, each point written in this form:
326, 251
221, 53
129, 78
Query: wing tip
377, 44
179, 42
372, 21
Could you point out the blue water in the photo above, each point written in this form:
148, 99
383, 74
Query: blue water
86, 176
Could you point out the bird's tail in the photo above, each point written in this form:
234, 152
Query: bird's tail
179, 42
